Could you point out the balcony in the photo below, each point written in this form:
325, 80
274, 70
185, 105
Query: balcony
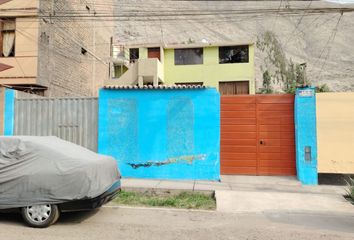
143, 71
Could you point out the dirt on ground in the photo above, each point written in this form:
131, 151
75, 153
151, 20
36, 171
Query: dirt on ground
141, 223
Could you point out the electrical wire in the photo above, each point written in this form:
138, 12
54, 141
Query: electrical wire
329, 43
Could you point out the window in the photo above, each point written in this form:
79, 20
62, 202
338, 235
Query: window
234, 88
133, 54
154, 53
189, 56
118, 71
111, 47
233, 54
7, 41
83, 51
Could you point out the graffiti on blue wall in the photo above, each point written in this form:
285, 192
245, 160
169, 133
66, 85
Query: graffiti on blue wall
165, 134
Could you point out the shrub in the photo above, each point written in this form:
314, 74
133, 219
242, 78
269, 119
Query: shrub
350, 189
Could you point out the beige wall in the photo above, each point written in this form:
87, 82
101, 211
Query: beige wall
23, 67
2, 101
27, 37
335, 132
16, 5
150, 67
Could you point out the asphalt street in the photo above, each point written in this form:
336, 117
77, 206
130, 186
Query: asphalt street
144, 223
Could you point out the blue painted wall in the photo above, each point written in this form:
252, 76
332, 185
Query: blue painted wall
163, 134
306, 136
9, 112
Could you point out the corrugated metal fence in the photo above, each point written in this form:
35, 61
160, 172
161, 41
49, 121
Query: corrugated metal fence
72, 119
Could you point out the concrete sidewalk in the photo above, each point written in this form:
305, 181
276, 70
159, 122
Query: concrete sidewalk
255, 194
233, 183
150, 184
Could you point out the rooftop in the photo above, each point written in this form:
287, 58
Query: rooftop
188, 45
147, 87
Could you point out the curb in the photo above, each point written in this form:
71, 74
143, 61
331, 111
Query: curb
167, 191
118, 206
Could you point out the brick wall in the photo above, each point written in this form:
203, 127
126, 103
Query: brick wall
62, 67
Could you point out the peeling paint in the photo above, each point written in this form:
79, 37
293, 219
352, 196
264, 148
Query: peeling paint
188, 159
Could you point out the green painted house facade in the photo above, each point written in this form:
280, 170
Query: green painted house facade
228, 67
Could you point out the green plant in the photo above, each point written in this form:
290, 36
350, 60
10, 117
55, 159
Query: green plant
322, 88
286, 72
350, 189
267, 83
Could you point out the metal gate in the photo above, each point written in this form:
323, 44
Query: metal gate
258, 135
72, 119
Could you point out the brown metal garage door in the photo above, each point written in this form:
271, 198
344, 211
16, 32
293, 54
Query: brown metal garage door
257, 135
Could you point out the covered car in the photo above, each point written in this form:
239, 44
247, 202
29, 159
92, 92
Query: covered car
43, 176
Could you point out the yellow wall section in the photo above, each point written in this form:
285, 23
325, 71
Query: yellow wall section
143, 53
335, 132
211, 72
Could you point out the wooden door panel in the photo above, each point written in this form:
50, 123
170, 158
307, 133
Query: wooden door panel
277, 163
241, 135
239, 107
248, 120
278, 142
275, 114
275, 99
277, 121
237, 99
238, 128
275, 107
239, 142
238, 121
271, 171
238, 170
238, 149
277, 156
241, 163
269, 128
269, 149
242, 114
238, 156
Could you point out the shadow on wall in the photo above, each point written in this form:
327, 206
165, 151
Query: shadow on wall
165, 134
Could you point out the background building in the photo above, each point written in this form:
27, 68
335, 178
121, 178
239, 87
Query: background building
228, 67
55, 48
311, 32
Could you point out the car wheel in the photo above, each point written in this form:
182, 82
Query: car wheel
40, 216
56, 217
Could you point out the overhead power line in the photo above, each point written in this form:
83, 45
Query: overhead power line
329, 43
192, 13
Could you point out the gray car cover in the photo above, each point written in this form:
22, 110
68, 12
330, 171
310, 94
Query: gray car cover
48, 170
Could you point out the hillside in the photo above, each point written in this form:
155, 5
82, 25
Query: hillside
324, 41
